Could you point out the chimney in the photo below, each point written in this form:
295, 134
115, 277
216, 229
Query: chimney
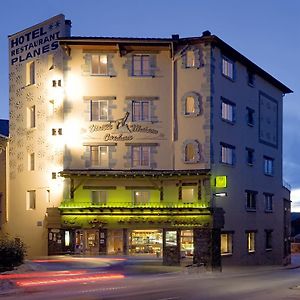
175, 36
206, 33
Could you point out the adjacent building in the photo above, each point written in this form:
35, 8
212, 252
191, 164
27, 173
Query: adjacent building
162, 146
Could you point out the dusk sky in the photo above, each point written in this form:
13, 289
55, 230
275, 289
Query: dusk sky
265, 31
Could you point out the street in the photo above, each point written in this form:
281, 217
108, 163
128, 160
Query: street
99, 278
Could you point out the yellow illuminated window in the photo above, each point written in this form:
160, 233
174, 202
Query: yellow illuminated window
190, 59
251, 241
188, 194
189, 105
226, 243
99, 64
141, 197
190, 152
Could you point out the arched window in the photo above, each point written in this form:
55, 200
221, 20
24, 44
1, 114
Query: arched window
191, 151
191, 104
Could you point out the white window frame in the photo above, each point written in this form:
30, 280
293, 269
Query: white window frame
99, 162
268, 166
141, 111
31, 200
251, 242
227, 67
141, 65
99, 59
227, 154
100, 116
227, 110
143, 194
98, 197
226, 243
141, 161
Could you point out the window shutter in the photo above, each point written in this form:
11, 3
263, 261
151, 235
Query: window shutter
110, 66
87, 157
86, 67
152, 62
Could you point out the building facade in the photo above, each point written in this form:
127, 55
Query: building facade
168, 147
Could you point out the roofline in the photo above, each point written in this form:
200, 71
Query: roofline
213, 39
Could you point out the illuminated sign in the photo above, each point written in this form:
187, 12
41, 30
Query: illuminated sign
221, 181
37, 41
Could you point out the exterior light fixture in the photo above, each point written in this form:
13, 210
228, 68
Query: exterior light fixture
220, 194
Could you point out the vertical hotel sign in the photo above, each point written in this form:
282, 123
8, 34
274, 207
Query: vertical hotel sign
36, 41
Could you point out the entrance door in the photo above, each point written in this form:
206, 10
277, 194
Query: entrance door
115, 241
92, 241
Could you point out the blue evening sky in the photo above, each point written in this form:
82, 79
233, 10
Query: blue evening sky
265, 31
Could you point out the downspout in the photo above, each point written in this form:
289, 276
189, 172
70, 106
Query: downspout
173, 105
7, 180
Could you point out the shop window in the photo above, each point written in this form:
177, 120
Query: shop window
146, 241
268, 166
30, 73
99, 156
140, 111
99, 110
140, 156
251, 241
31, 200
31, 116
141, 197
98, 197
251, 200
268, 241
227, 67
228, 111
227, 154
99, 64
226, 243
268, 202
171, 238
141, 65
67, 238
186, 243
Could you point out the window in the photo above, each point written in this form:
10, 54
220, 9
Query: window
99, 156
250, 156
31, 117
251, 78
268, 237
99, 64
188, 194
250, 116
99, 110
189, 105
141, 197
51, 62
31, 162
251, 241
140, 156
30, 73
268, 166
190, 59
227, 67
268, 202
141, 65
227, 154
190, 152
228, 110
48, 195
251, 200
226, 243
140, 111
98, 197
31, 199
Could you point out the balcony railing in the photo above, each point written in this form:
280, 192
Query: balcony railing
71, 204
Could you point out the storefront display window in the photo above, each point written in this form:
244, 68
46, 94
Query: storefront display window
146, 242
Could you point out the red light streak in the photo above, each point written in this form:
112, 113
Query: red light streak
76, 258
42, 274
92, 277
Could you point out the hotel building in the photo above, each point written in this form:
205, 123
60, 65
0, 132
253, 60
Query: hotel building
161, 146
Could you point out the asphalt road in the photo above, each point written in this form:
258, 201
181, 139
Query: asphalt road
102, 282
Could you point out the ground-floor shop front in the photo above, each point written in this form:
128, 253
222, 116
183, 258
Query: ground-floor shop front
171, 237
